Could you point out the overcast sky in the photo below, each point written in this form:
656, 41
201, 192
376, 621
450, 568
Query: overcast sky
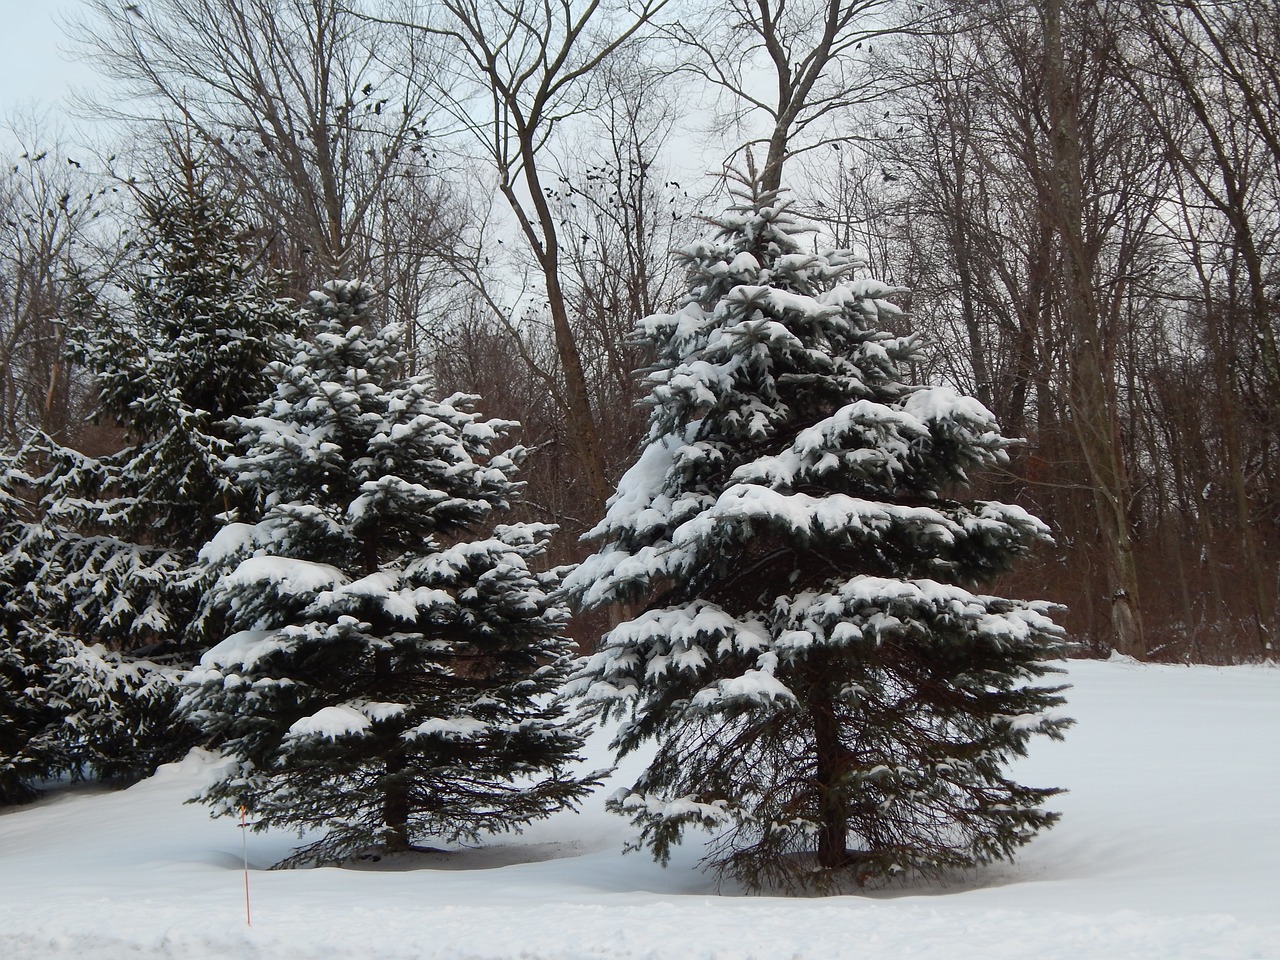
34, 69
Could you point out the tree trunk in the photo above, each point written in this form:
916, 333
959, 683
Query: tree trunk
1090, 391
395, 786
538, 224
1260, 592
833, 806
540, 231
395, 807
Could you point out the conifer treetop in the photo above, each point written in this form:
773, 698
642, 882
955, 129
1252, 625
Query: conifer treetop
391, 654
826, 688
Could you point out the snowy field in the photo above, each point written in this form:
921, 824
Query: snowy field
1169, 848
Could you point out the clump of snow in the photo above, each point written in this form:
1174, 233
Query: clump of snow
758, 685
240, 651
453, 728
943, 403
331, 723
291, 576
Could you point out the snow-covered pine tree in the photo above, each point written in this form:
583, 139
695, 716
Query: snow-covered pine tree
393, 653
116, 538
30, 714
822, 685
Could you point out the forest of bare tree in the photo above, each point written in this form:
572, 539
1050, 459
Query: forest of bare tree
1079, 200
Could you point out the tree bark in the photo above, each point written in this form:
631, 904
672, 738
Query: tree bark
833, 807
395, 787
1090, 390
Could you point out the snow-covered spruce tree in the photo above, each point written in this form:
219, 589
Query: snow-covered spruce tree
116, 537
393, 653
30, 714
821, 684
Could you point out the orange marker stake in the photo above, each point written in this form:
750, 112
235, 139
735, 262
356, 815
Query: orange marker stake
244, 837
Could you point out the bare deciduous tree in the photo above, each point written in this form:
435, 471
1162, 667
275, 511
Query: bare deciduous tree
1205, 74
323, 137
49, 261
520, 71
816, 56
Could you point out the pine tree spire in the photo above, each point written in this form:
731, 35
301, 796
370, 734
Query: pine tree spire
822, 684
111, 547
392, 652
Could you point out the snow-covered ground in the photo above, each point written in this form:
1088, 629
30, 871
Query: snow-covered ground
1169, 848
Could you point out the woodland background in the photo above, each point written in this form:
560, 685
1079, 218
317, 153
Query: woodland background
1079, 200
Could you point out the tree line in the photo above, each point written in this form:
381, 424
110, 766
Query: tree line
299, 561
1073, 208
1080, 197
1075, 204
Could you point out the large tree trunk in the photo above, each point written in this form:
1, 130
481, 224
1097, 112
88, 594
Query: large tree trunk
1090, 391
395, 807
584, 428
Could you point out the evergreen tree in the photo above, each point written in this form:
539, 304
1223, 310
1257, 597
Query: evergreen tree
821, 684
30, 713
114, 544
386, 678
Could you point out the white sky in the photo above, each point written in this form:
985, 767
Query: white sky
35, 70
